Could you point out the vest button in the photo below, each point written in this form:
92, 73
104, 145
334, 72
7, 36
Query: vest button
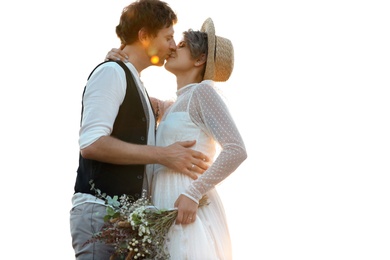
136, 195
143, 138
139, 177
143, 119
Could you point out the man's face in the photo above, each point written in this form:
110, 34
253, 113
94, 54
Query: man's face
161, 46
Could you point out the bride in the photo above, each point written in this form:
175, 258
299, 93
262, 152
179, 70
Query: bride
201, 58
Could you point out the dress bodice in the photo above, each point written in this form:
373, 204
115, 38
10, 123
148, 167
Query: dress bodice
178, 126
200, 114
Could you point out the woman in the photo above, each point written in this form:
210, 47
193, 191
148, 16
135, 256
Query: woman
198, 113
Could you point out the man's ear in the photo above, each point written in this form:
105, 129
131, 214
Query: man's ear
143, 36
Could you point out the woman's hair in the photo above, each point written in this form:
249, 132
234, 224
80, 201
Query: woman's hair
152, 15
197, 43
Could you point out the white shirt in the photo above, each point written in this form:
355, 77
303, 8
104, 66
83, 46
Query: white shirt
104, 94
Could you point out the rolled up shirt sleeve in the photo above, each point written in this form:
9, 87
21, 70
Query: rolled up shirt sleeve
104, 93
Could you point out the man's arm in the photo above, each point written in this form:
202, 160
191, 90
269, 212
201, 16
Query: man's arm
178, 156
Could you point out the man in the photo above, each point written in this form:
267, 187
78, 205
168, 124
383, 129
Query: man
117, 134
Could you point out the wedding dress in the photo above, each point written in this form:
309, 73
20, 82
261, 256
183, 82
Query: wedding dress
199, 113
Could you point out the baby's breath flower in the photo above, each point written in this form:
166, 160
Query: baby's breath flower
137, 224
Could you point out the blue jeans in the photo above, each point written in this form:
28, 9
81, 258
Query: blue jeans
85, 220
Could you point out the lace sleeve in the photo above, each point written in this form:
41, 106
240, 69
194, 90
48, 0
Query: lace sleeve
208, 110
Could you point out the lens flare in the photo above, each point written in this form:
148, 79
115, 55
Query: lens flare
154, 59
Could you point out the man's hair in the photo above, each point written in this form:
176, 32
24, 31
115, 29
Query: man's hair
152, 15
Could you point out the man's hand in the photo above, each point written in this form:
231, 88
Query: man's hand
179, 157
187, 209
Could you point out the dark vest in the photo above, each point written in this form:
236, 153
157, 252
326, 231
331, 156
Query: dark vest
130, 126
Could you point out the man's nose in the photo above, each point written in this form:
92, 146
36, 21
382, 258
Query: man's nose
173, 45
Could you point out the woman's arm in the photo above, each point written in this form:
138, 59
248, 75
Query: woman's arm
160, 107
210, 112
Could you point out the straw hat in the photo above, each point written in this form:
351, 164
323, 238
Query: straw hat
220, 58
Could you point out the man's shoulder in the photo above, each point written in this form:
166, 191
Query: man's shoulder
108, 68
120, 66
109, 64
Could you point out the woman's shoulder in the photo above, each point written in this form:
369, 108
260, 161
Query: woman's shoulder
205, 85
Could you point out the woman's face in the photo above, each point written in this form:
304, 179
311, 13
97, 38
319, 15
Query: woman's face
180, 61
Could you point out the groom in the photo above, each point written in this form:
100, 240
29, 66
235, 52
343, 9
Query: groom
117, 134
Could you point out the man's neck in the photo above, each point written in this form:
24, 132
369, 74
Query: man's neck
137, 57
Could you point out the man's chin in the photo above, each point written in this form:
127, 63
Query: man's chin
160, 64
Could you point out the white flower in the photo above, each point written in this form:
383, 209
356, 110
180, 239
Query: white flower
134, 221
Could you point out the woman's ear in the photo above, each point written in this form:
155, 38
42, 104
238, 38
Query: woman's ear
201, 60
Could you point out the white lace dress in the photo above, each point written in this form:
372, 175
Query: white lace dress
199, 113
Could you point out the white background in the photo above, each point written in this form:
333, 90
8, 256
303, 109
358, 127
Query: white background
309, 93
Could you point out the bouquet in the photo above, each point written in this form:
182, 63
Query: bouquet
136, 229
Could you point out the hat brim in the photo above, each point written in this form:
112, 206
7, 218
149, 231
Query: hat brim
209, 29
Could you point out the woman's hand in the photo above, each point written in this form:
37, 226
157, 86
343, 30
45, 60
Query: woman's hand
187, 209
159, 107
117, 54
